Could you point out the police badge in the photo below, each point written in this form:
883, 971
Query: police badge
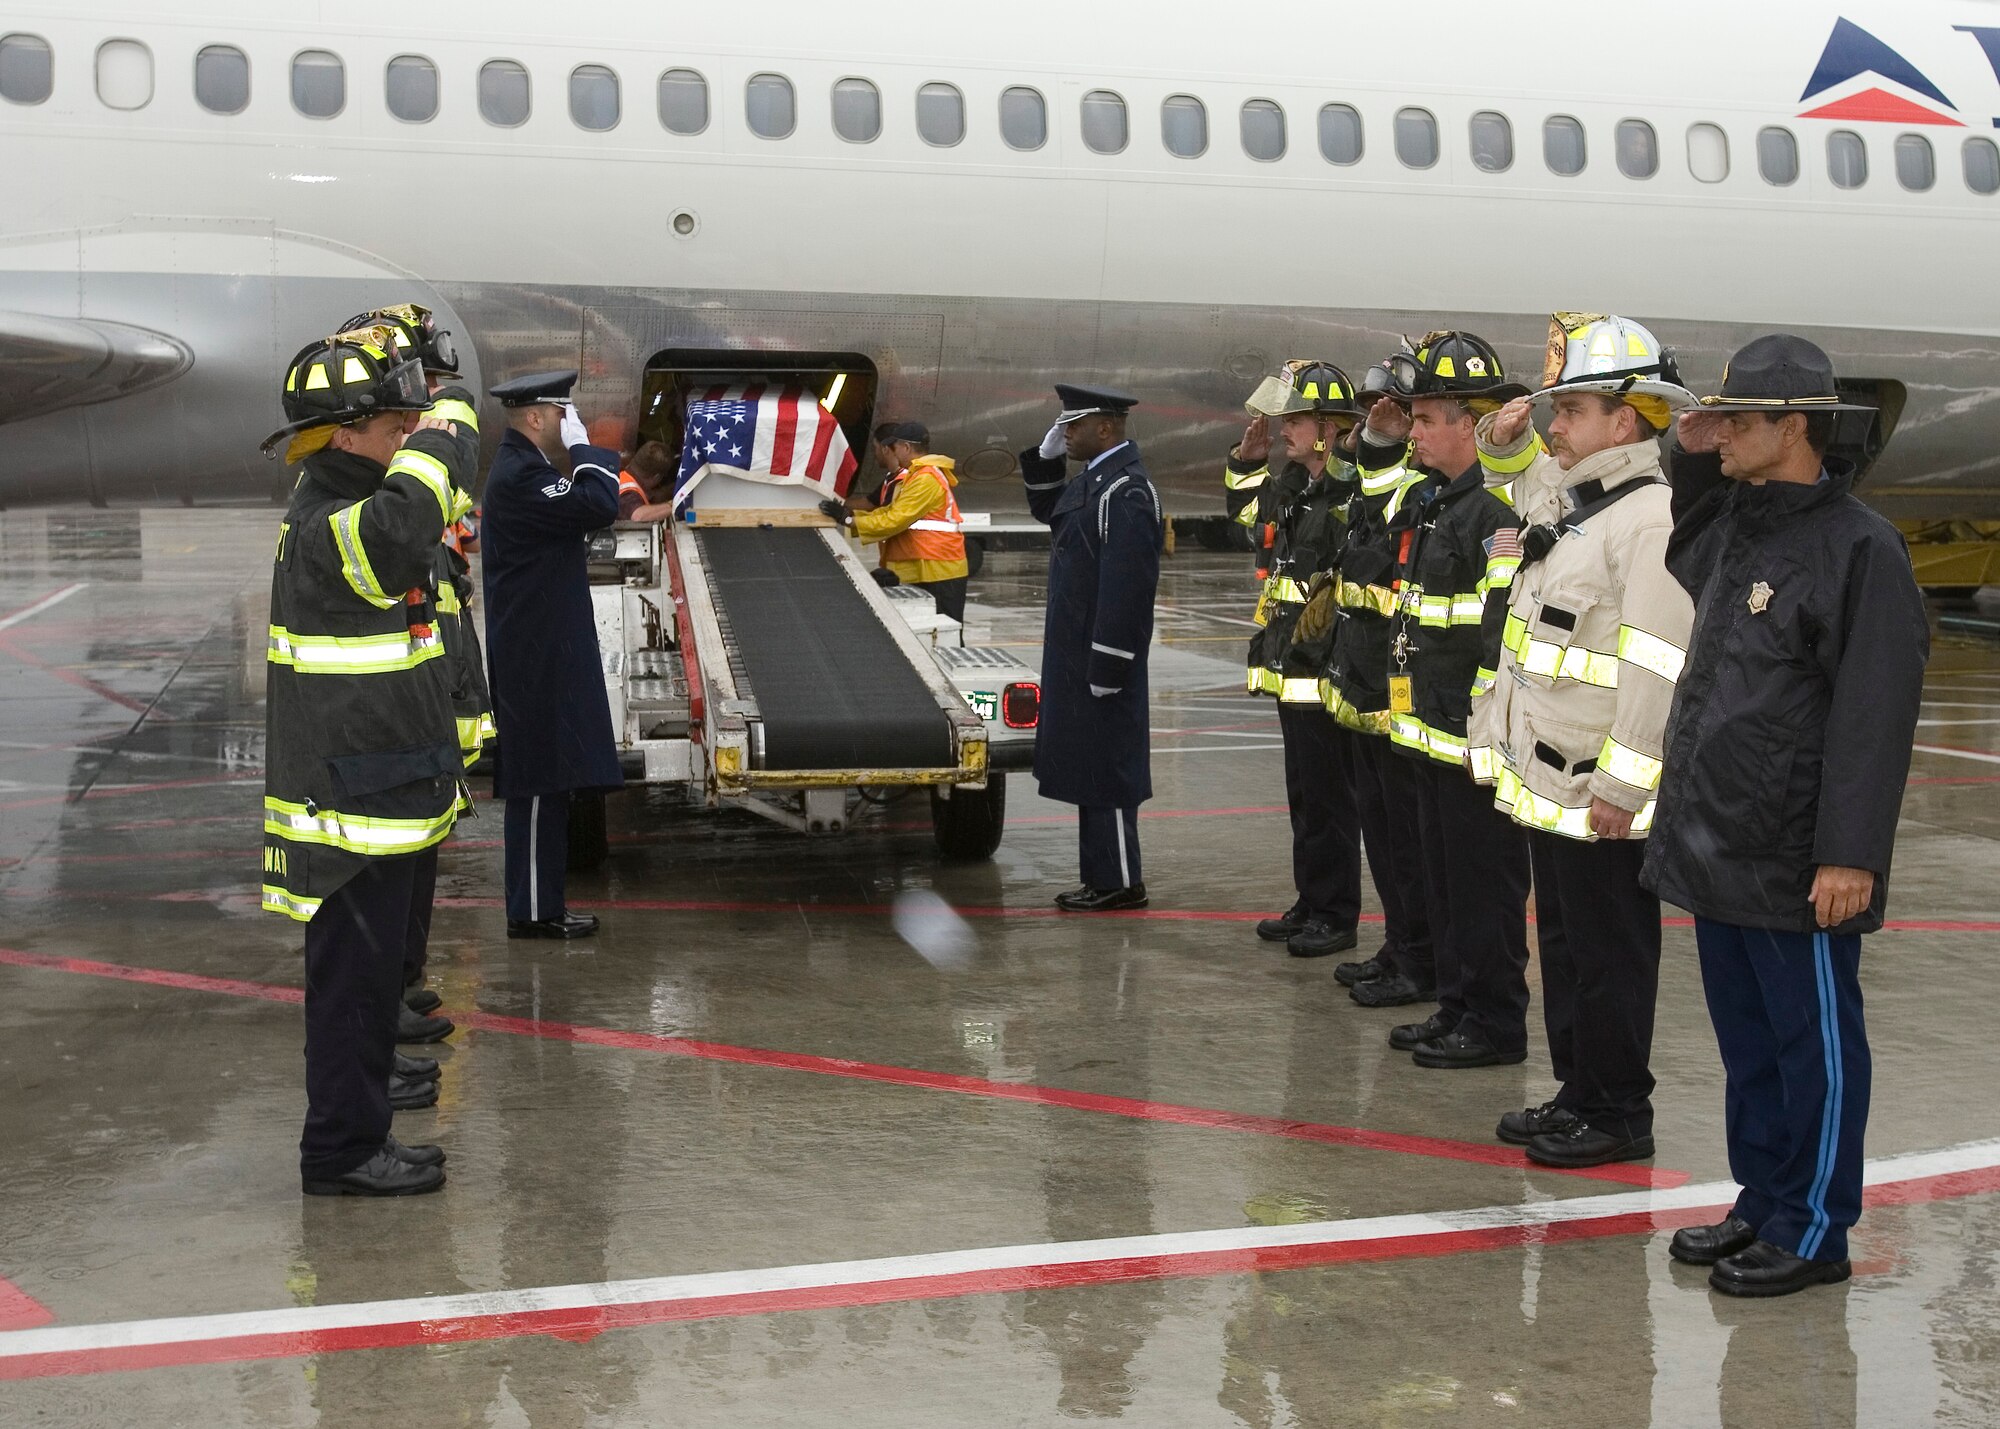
1760, 597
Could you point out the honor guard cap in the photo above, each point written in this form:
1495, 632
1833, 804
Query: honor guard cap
535, 388
1091, 402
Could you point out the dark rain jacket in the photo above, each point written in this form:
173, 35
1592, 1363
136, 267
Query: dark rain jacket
547, 676
362, 760
1789, 741
1104, 569
1311, 529
451, 582
1354, 682
1456, 569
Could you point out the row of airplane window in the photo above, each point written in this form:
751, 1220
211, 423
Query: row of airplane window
770, 107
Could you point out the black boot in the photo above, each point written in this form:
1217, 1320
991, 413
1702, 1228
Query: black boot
1456, 1050
1280, 928
1704, 1245
1102, 900
407, 1095
1319, 939
562, 928
1765, 1269
421, 1000
426, 1155
1580, 1144
383, 1174
1518, 1128
1412, 1035
1352, 974
1391, 990
417, 1069
415, 1027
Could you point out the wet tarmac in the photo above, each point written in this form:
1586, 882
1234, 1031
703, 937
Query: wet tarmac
749, 1158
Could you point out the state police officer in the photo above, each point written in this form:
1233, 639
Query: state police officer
1094, 746
547, 677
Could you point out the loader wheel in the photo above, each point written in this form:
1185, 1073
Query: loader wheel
968, 825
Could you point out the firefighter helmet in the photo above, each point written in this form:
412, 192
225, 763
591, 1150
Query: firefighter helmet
1306, 385
417, 333
1454, 364
346, 378
1614, 356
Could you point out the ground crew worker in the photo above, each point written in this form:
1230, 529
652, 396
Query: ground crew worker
418, 335
646, 484
1571, 731
548, 680
1457, 547
1094, 746
1787, 752
1307, 498
362, 771
1353, 688
915, 517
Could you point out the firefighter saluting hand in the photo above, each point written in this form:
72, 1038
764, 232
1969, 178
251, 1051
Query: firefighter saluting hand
362, 772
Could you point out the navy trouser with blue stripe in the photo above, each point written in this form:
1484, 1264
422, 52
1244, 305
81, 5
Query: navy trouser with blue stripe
1787, 1014
1108, 847
537, 856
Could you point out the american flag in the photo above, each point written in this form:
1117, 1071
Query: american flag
780, 435
1505, 543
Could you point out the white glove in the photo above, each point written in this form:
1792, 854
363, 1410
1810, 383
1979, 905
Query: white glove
1056, 442
574, 433
1102, 690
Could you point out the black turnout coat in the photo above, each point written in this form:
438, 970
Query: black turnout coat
547, 677
1104, 570
1789, 742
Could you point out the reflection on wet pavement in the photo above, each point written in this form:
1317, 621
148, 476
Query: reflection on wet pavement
749, 1071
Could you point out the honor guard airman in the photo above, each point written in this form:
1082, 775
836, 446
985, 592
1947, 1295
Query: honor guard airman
1786, 756
363, 776
547, 676
1571, 731
1306, 501
1094, 746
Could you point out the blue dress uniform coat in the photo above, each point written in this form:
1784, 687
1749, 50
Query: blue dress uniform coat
1104, 569
547, 676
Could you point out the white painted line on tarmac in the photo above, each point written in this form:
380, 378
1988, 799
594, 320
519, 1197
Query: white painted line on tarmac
41, 605
1164, 1247
1945, 749
1923, 723
1167, 749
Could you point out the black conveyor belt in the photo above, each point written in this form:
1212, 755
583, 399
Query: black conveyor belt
833, 687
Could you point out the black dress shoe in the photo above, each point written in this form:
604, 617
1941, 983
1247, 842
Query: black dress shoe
408, 1095
1518, 1128
383, 1174
562, 928
1101, 900
422, 1000
1456, 1050
1278, 929
1704, 1245
1391, 990
1349, 974
1765, 1269
417, 1069
1319, 939
1581, 1144
426, 1155
415, 1027
1411, 1035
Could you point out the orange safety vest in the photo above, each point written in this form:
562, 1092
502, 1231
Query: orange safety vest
936, 537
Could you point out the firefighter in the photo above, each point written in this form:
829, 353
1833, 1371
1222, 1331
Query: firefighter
1571, 730
1094, 746
915, 517
1786, 756
362, 773
1353, 688
418, 336
548, 681
1456, 547
1306, 500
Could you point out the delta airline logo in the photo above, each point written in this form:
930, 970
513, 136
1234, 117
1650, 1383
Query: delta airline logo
1875, 83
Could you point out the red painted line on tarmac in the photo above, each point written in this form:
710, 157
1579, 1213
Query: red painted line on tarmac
70, 677
1439, 1148
578, 1323
19, 1310
132, 790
